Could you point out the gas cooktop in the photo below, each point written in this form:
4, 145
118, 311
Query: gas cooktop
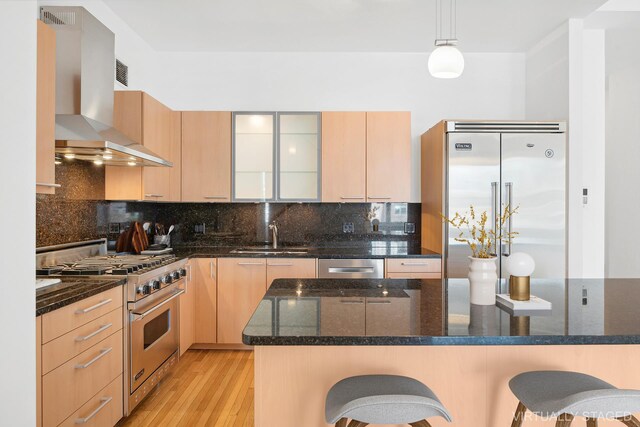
119, 265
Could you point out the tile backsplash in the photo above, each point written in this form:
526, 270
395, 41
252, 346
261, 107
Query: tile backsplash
76, 213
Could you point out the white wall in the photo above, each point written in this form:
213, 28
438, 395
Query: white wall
17, 188
623, 153
492, 86
565, 81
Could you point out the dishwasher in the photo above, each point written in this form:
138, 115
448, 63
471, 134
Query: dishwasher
351, 268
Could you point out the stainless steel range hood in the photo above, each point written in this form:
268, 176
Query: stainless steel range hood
85, 71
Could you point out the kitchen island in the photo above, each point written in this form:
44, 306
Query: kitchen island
310, 333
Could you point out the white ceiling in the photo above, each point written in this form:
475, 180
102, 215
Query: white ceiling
341, 25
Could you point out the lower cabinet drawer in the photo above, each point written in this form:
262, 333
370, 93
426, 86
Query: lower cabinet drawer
414, 275
61, 349
102, 410
414, 265
67, 388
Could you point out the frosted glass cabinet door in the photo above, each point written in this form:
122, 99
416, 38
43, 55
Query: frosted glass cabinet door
298, 156
253, 156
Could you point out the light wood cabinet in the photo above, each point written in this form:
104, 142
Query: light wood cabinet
205, 285
38, 371
206, 156
344, 143
290, 268
108, 404
188, 311
242, 282
388, 156
146, 121
46, 110
413, 268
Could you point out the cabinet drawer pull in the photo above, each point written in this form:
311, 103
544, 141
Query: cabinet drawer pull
94, 333
103, 353
93, 307
379, 198
153, 195
351, 198
281, 265
414, 263
215, 197
46, 184
250, 263
105, 401
351, 302
379, 302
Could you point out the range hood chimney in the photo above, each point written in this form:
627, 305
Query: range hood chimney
85, 71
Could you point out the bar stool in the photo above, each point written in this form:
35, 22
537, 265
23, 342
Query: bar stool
566, 395
382, 399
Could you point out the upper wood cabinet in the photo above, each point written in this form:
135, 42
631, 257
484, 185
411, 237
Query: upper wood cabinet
150, 123
206, 156
388, 156
344, 142
46, 110
366, 157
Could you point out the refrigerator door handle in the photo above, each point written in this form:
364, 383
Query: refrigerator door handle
508, 186
495, 211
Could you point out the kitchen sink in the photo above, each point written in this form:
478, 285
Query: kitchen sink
262, 250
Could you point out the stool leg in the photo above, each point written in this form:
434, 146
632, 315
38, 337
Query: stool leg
518, 417
422, 423
629, 421
564, 420
356, 423
342, 422
592, 422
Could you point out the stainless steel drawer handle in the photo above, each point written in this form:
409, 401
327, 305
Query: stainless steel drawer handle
215, 197
93, 307
153, 195
46, 184
105, 401
351, 302
351, 198
379, 302
94, 333
379, 198
344, 270
414, 263
156, 307
95, 359
250, 263
280, 265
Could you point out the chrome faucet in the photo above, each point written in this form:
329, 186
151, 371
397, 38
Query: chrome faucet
274, 234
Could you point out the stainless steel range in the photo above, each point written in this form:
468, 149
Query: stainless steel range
154, 284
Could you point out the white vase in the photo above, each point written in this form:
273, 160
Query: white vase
483, 276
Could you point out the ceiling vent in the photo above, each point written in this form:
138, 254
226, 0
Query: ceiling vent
122, 73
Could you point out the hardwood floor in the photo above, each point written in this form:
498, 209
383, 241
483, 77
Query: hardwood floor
207, 388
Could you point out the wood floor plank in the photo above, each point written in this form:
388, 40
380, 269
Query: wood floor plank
207, 388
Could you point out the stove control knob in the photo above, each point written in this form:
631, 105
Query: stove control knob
155, 284
168, 279
183, 272
176, 275
144, 290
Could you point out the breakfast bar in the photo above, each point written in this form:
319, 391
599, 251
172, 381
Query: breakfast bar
311, 333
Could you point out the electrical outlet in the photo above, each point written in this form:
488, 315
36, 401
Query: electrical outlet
199, 228
409, 227
347, 227
114, 228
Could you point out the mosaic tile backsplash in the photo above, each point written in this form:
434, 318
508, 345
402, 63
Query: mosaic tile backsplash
66, 217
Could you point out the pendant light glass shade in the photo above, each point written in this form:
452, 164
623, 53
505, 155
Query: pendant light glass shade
446, 62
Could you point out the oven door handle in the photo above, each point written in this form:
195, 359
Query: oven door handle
157, 306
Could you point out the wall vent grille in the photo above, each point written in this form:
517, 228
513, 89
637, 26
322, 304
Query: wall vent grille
122, 73
57, 18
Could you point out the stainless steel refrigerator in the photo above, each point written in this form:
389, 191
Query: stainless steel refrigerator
491, 165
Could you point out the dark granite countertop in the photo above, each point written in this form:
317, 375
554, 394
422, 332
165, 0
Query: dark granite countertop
435, 312
384, 250
72, 289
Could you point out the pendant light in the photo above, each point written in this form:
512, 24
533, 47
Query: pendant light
446, 61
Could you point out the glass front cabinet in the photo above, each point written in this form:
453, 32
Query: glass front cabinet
276, 156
